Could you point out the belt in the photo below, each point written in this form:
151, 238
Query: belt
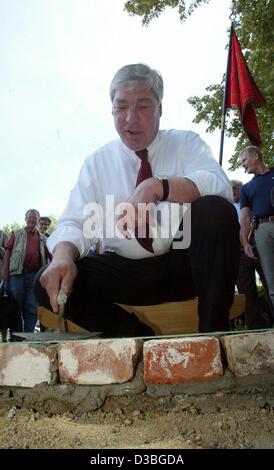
267, 219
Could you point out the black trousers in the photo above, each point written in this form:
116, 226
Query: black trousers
207, 269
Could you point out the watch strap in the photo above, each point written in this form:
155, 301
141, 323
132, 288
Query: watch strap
165, 184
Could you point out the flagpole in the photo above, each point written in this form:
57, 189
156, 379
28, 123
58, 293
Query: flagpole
228, 65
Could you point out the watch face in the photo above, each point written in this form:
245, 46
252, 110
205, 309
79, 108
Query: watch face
161, 178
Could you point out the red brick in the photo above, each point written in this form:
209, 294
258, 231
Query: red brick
249, 353
181, 360
98, 361
25, 365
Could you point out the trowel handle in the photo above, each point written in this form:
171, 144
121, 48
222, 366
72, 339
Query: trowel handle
61, 299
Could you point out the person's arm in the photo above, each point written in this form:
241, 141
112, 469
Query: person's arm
199, 166
244, 232
72, 237
6, 262
180, 190
151, 191
6, 266
4, 239
61, 272
48, 255
74, 224
197, 174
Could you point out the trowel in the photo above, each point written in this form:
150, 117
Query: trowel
57, 335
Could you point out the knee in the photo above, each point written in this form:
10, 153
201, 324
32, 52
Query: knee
214, 212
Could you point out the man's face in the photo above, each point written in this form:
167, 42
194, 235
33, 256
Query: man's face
236, 192
136, 115
43, 226
249, 162
31, 220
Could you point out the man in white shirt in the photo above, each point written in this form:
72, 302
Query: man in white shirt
126, 272
236, 189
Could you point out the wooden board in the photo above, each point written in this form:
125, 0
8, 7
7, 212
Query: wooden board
49, 320
166, 319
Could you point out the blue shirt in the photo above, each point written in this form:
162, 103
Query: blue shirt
258, 195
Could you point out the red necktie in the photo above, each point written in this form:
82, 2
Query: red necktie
144, 173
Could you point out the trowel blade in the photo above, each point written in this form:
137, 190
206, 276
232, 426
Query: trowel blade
54, 336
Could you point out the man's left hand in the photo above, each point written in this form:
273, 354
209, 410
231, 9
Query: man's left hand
138, 210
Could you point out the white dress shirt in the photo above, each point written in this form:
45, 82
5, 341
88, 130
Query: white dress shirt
112, 170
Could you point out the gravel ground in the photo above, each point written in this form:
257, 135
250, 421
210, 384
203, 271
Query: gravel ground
223, 420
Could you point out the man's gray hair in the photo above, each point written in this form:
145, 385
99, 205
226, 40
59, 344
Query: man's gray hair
252, 150
132, 75
236, 183
33, 211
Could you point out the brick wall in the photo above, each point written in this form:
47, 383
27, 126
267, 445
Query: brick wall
114, 361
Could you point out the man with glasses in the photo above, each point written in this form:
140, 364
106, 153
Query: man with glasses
44, 223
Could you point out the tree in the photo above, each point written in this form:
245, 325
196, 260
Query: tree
150, 9
253, 25
53, 223
11, 228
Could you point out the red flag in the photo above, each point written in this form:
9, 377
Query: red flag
242, 91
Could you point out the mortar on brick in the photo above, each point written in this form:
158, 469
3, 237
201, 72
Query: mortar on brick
180, 360
25, 365
250, 353
98, 362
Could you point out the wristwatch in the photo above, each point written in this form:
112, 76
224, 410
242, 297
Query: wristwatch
165, 184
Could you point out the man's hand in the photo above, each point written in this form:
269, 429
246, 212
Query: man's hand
60, 273
249, 251
139, 208
148, 192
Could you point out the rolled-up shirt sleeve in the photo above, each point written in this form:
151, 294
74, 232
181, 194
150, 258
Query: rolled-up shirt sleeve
201, 168
75, 224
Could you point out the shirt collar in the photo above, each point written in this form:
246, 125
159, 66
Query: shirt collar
152, 148
31, 231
